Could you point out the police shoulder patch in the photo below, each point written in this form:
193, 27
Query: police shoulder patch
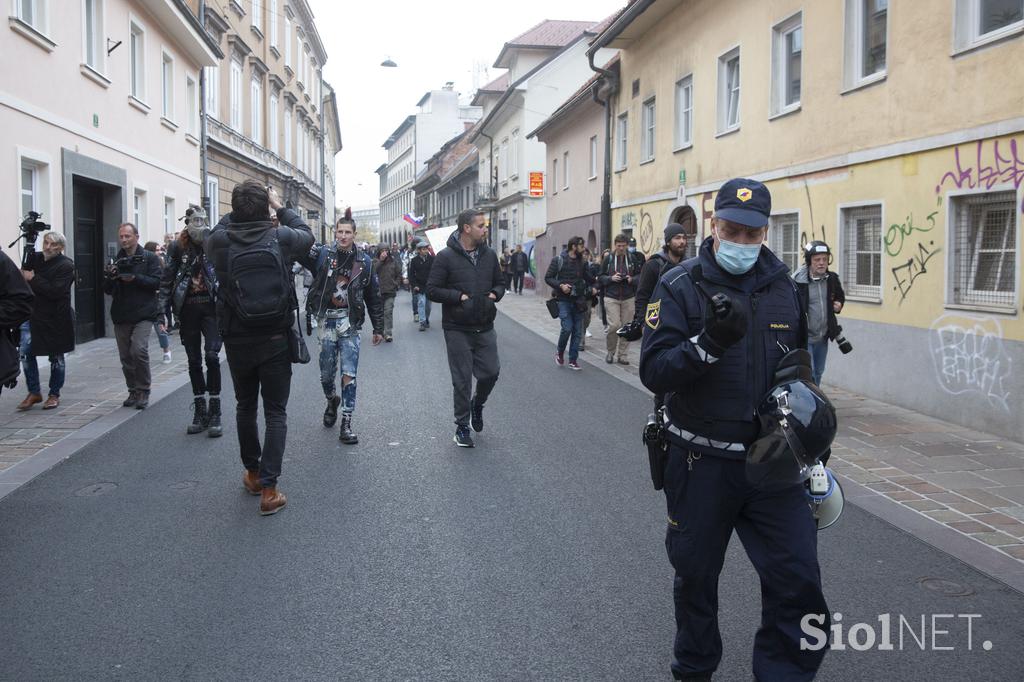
653, 315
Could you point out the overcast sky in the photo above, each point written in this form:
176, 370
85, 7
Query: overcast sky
432, 42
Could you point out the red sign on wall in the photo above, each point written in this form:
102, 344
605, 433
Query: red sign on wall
536, 184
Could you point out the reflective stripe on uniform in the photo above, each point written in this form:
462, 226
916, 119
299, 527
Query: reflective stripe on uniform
701, 440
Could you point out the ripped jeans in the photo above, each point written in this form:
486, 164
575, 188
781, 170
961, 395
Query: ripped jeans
31, 367
338, 341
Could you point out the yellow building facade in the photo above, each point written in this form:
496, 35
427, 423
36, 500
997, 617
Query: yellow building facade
894, 131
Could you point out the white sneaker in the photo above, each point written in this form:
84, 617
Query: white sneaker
167, 357
589, 335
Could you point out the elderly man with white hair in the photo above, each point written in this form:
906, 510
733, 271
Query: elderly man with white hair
51, 329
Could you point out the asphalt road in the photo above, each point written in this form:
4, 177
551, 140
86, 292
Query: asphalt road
537, 555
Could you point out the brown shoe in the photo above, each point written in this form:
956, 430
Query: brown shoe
251, 481
52, 401
271, 501
30, 400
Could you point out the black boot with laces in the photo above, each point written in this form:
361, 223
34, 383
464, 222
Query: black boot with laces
214, 419
346, 436
199, 416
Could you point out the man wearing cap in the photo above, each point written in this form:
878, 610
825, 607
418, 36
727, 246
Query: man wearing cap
716, 328
419, 273
823, 298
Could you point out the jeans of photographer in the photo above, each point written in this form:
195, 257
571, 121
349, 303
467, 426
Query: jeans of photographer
31, 367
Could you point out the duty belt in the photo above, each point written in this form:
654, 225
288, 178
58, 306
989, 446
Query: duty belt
693, 438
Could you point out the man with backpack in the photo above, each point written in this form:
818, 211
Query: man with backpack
573, 283
256, 309
343, 279
619, 274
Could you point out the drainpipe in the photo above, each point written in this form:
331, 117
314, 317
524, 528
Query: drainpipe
323, 160
205, 200
490, 169
611, 83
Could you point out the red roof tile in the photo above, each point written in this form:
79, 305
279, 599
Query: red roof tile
551, 33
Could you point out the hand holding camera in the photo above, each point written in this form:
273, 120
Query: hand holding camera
726, 323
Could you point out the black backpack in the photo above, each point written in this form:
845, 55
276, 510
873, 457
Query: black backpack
259, 287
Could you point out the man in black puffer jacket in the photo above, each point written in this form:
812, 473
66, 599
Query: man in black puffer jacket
467, 281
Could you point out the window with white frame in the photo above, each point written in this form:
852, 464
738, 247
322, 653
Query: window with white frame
862, 246
787, 53
29, 187
168, 215
139, 209
684, 112
985, 249
33, 13
593, 157
647, 132
288, 136
504, 157
95, 51
300, 54
514, 221
621, 139
212, 91
565, 170
272, 23
513, 159
272, 125
191, 105
784, 239
137, 57
213, 191
257, 15
865, 42
729, 91
235, 95
167, 87
256, 102
977, 22
287, 42
554, 176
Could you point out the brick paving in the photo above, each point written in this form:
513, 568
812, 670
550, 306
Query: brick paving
970, 482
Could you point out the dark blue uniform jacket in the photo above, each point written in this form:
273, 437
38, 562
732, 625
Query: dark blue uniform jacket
711, 392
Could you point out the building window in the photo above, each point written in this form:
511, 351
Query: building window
621, 132
167, 87
288, 136
272, 125
729, 91
33, 13
514, 224
272, 28
862, 273
514, 154
235, 95
29, 188
192, 105
288, 42
212, 90
984, 232
784, 239
593, 157
504, 157
565, 170
787, 51
866, 40
257, 15
137, 50
213, 192
168, 215
554, 176
977, 22
95, 51
647, 133
256, 102
139, 210
684, 112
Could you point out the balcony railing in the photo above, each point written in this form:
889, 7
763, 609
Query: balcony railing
235, 140
485, 192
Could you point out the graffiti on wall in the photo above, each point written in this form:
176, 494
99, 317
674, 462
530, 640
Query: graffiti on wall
987, 165
970, 357
905, 274
627, 222
645, 240
898, 232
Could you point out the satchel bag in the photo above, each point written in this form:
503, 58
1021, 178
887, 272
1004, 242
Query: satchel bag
552, 304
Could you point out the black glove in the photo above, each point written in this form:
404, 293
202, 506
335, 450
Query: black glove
725, 324
632, 331
794, 366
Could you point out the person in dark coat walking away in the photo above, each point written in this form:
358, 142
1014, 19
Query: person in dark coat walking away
15, 309
132, 280
520, 263
389, 274
466, 280
51, 330
419, 273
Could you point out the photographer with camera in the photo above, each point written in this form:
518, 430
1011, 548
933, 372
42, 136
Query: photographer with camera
51, 329
572, 280
823, 299
132, 280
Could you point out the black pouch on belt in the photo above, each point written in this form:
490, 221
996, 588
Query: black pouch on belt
657, 448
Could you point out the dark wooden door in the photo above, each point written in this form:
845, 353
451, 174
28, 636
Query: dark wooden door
88, 219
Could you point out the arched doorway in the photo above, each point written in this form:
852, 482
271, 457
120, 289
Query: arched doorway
687, 217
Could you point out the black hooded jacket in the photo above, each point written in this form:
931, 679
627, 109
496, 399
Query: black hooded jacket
453, 274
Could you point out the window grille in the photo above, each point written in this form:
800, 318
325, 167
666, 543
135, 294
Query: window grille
985, 249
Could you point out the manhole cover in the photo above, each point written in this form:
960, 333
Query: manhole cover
946, 587
94, 489
183, 485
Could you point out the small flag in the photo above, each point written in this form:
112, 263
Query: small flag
413, 219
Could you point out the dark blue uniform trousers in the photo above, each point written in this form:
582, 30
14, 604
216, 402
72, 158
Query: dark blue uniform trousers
705, 503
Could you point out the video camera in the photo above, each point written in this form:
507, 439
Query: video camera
30, 228
125, 265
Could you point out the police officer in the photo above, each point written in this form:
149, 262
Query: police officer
717, 327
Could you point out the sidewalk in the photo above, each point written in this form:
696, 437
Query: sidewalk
958, 489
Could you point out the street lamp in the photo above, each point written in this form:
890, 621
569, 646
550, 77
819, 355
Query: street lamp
388, 63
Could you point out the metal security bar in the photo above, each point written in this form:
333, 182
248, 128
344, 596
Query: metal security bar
784, 239
862, 258
985, 249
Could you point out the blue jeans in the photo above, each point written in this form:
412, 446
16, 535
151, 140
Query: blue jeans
571, 318
819, 351
335, 346
31, 367
163, 337
423, 304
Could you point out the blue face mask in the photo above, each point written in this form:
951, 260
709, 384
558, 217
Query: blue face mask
736, 258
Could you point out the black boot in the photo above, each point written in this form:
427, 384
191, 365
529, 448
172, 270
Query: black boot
331, 413
214, 419
346, 436
200, 419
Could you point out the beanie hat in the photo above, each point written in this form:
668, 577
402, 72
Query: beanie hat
671, 230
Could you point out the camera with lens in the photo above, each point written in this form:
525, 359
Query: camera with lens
125, 265
30, 228
844, 345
